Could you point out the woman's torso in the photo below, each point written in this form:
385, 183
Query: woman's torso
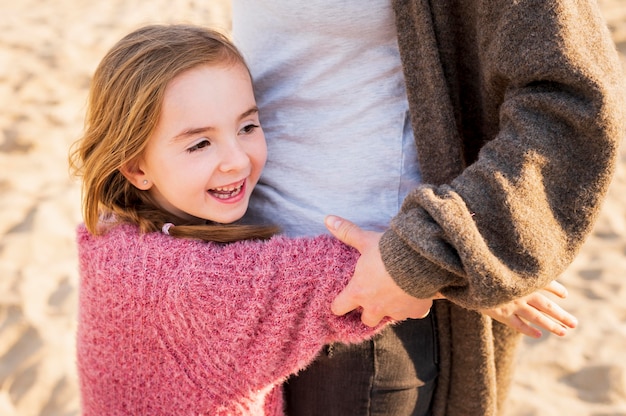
334, 110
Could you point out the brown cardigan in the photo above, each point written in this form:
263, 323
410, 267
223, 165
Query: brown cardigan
518, 110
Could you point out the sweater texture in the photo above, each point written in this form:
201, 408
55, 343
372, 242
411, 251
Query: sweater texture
517, 109
171, 326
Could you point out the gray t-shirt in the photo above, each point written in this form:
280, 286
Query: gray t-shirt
333, 105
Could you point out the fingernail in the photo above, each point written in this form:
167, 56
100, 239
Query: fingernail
333, 222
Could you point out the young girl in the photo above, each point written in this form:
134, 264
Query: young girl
173, 148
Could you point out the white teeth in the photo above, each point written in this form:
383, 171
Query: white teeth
225, 193
229, 189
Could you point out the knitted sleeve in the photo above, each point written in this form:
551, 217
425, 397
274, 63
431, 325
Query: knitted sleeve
176, 326
548, 92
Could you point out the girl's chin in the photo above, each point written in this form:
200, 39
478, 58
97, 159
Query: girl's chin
226, 219
217, 216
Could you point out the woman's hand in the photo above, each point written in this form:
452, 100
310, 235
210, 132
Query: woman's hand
535, 310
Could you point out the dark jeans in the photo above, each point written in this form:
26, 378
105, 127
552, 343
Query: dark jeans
394, 374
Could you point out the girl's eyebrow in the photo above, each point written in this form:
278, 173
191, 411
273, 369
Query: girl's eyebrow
198, 130
252, 110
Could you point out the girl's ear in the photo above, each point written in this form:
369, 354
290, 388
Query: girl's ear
136, 176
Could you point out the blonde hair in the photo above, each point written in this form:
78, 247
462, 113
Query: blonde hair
124, 106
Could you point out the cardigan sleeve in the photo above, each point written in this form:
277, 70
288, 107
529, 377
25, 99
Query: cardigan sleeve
169, 323
550, 96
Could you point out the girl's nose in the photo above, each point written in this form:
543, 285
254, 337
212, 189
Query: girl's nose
234, 157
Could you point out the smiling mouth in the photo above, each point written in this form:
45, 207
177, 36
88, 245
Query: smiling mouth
227, 191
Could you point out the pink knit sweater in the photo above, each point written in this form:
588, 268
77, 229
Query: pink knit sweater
171, 326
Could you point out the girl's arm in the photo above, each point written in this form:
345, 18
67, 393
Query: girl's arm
168, 323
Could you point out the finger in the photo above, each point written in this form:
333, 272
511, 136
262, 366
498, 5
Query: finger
535, 317
345, 231
547, 324
419, 310
344, 302
415, 315
371, 318
521, 326
550, 309
557, 289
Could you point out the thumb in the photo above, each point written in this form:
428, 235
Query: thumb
346, 231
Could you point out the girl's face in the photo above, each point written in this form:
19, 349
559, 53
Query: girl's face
208, 150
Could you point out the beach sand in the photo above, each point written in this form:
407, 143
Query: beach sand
48, 51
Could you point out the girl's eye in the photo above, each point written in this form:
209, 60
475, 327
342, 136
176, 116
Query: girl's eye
200, 145
249, 128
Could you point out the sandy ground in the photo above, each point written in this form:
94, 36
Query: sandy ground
48, 50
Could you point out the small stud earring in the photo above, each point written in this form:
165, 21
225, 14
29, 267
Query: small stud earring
145, 181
